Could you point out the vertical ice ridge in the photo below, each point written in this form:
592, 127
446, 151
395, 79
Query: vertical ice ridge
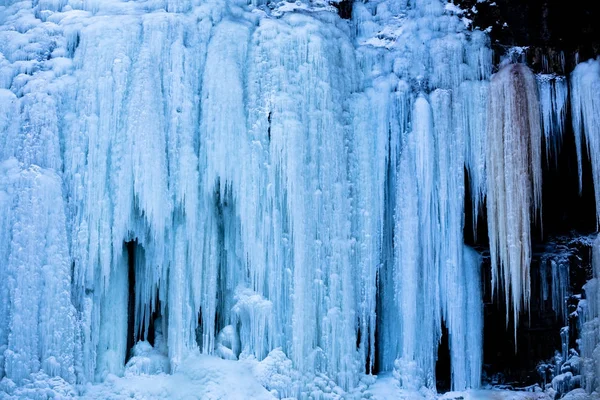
299, 138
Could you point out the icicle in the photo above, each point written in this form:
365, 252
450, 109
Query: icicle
472, 121
112, 341
585, 106
560, 288
469, 357
513, 181
553, 103
417, 291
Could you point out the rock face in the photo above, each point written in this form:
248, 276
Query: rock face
549, 28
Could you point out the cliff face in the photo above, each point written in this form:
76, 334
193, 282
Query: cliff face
547, 27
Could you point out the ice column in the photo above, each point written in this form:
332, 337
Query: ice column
514, 177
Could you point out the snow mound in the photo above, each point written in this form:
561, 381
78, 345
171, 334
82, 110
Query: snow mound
198, 377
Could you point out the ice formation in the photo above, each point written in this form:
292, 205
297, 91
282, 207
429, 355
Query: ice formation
514, 181
590, 326
554, 278
553, 92
585, 103
257, 182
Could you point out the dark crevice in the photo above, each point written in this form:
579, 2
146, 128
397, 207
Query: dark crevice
443, 367
475, 234
131, 334
344, 8
134, 336
269, 128
564, 209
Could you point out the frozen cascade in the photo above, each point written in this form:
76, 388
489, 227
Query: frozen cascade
585, 109
441, 94
514, 175
282, 186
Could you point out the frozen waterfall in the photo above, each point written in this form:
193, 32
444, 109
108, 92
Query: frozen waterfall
263, 182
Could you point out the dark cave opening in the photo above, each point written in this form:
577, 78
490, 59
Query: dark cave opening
511, 363
134, 250
344, 8
443, 366
131, 336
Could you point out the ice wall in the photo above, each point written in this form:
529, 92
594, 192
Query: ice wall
37, 319
277, 180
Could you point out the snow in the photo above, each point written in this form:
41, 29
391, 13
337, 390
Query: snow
199, 377
387, 388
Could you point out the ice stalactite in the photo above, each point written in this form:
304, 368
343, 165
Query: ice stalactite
472, 114
589, 309
554, 94
554, 278
434, 276
417, 291
514, 175
585, 110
